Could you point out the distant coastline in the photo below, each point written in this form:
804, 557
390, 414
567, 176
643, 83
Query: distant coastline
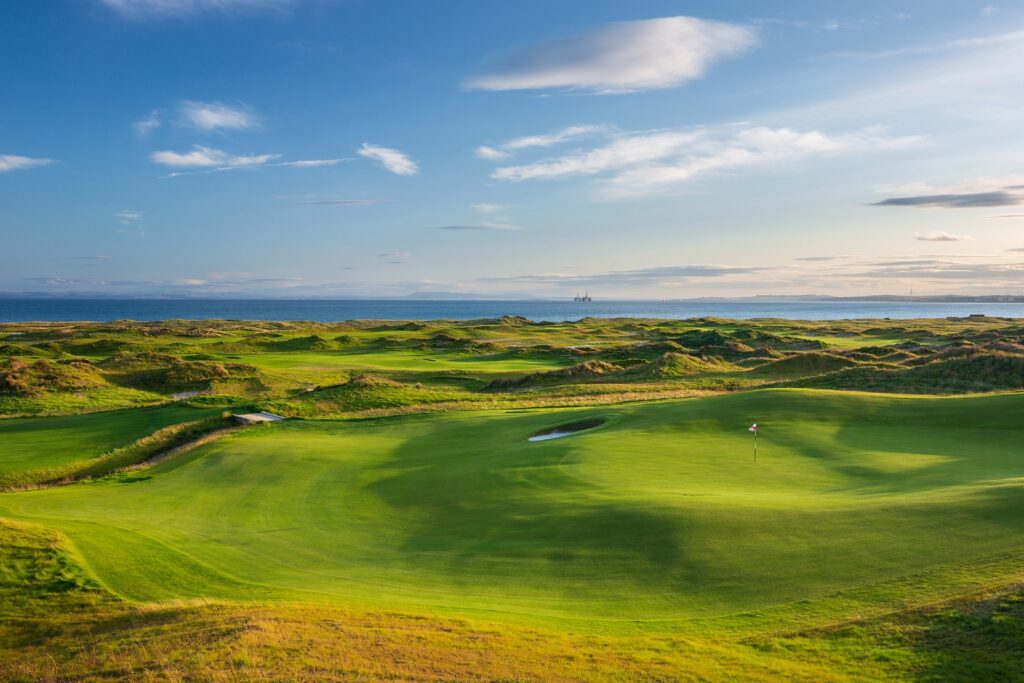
333, 310
455, 297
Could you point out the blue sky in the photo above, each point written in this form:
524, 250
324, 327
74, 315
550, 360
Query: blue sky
643, 149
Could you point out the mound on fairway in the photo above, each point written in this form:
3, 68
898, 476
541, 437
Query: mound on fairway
659, 517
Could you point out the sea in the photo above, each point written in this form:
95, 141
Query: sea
324, 310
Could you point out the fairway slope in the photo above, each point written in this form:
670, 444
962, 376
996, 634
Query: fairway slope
658, 518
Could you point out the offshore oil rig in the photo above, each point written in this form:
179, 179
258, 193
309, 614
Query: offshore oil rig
585, 297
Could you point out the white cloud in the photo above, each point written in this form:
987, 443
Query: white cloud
208, 157
142, 9
619, 154
621, 57
490, 153
13, 162
127, 217
489, 209
144, 127
391, 159
213, 116
495, 218
207, 160
968, 186
310, 163
505, 149
939, 236
476, 227
750, 146
332, 201
641, 163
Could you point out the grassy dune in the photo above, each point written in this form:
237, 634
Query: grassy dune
657, 519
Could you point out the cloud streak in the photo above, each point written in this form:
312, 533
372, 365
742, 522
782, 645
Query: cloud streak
216, 116
163, 9
143, 127
203, 159
391, 160
208, 157
643, 163
939, 236
476, 227
506, 149
663, 275
337, 202
967, 200
128, 217
13, 162
621, 57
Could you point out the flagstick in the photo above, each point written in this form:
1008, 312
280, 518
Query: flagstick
755, 445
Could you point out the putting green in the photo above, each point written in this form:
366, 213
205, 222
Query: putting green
658, 515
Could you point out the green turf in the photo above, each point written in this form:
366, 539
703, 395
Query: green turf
44, 442
394, 359
659, 516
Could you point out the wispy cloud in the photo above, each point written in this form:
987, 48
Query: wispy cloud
143, 127
336, 202
214, 116
641, 163
303, 163
210, 160
494, 218
999, 274
127, 217
13, 162
208, 157
489, 209
391, 159
89, 258
971, 200
939, 236
663, 275
161, 9
478, 226
309, 163
621, 57
394, 254
505, 149
975, 193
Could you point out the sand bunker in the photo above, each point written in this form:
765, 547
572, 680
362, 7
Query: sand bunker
565, 430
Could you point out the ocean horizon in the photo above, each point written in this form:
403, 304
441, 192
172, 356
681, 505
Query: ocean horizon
328, 310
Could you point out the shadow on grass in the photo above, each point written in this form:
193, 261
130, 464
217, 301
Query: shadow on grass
513, 509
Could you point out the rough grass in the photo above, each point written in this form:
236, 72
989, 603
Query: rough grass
804, 364
57, 624
134, 453
950, 374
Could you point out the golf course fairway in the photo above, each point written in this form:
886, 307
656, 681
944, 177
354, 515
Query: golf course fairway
657, 517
